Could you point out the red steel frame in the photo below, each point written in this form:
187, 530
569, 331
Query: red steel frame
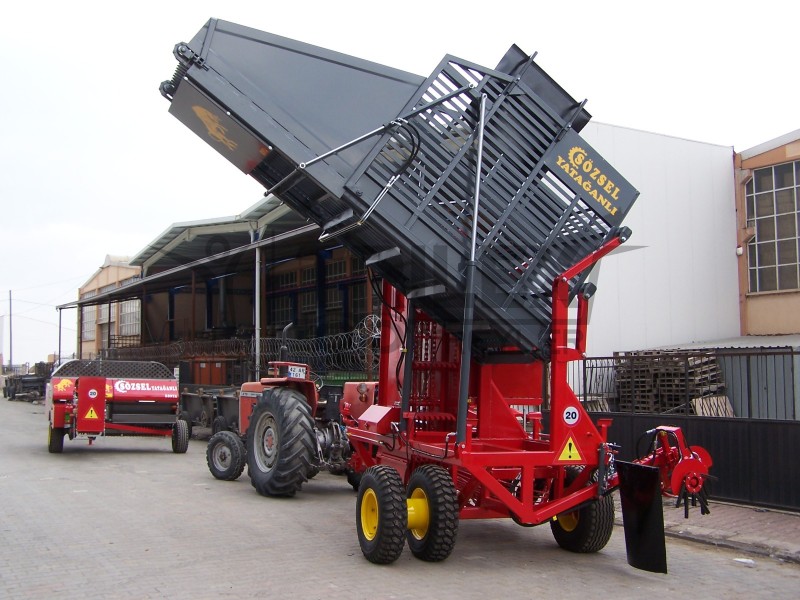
500, 469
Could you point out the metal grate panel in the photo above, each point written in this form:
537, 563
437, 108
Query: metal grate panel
117, 369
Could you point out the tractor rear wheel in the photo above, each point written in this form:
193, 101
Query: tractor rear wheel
381, 515
587, 529
180, 437
225, 455
281, 444
432, 503
55, 440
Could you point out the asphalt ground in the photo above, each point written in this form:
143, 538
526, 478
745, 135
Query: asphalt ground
127, 518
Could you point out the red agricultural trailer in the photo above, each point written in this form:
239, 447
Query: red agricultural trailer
87, 399
472, 196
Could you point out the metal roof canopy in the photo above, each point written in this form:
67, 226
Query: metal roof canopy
189, 241
282, 245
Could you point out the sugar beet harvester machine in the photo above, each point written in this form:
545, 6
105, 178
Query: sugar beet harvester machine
471, 194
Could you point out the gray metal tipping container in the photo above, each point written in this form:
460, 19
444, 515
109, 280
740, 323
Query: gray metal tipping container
386, 161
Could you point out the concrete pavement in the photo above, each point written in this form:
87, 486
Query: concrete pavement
759, 531
127, 518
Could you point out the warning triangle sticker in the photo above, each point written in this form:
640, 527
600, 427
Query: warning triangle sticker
570, 452
91, 414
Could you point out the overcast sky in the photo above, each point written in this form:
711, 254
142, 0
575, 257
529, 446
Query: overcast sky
91, 163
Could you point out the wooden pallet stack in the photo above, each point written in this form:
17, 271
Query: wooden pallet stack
666, 381
636, 382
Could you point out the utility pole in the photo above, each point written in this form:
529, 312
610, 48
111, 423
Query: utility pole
10, 335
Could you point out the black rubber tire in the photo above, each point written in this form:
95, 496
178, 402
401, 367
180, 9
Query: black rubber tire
184, 416
433, 484
225, 455
281, 445
180, 437
354, 479
587, 529
381, 515
219, 424
55, 440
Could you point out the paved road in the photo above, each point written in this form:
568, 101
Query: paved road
127, 518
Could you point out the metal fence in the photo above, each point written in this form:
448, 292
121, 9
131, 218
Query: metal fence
350, 355
742, 405
751, 383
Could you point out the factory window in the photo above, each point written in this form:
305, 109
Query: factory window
88, 323
772, 210
284, 280
281, 311
358, 303
129, 318
308, 302
357, 267
335, 314
334, 298
335, 270
309, 276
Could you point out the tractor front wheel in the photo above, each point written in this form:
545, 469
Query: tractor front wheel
432, 503
218, 424
281, 444
587, 529
225, 455
180, 437
55, 440
381, 515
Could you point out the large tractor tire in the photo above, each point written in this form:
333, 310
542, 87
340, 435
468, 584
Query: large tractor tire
55, 440
586, 529
225, 455
432, 502
381, 515
180, 437
281, 444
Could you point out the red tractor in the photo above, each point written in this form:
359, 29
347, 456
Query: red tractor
473, 197
284, 433
87, 399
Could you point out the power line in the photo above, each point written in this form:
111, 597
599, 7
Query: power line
49, 284
44, 322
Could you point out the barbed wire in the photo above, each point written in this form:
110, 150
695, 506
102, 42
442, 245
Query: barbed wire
355, 350
352, 351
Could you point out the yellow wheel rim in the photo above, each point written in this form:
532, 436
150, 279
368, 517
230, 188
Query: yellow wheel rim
418, 513
369, 514
568, 521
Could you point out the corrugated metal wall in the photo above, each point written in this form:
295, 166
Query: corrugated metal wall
676, 279
762, 385
755, 460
